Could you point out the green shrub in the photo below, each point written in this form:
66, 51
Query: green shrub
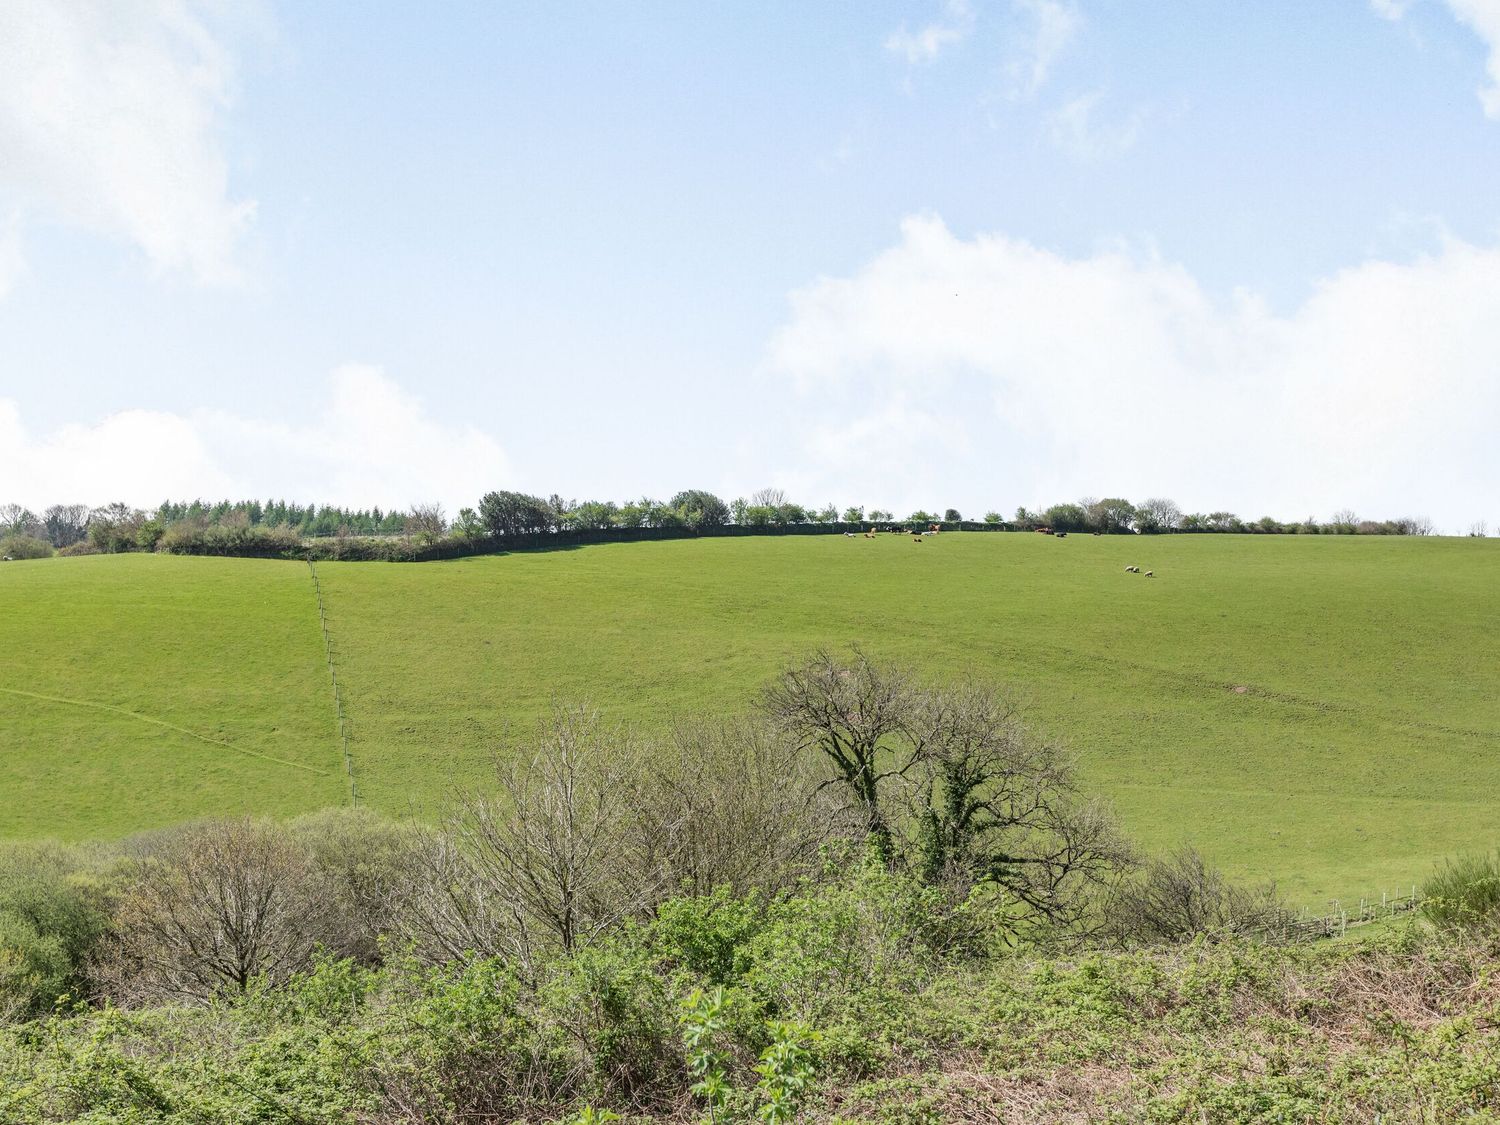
52, 913
248, 540
25, 547
1464, 893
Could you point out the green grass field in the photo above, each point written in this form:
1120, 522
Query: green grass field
1364, 744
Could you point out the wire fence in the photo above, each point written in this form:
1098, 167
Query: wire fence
338, 695
1339, 919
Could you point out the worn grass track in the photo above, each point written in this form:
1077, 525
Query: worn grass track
141, 690
1364, 743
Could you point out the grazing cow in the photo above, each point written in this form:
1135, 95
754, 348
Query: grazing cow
1130, 570
848, 535
1150, 574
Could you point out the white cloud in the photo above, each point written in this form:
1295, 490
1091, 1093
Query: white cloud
1117, 374
1481, 17
369, 442
927, 43
1076, 129
110, 112
1053, 25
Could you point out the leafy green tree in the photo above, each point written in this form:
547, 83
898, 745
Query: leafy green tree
700, 509
993, 518
514, 513
1223, 521
1111, 516
854, 515
664, 515
1066, 517
113, 527
468, 524
593, 515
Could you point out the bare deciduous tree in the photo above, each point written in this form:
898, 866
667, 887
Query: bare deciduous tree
368, 870
768, 498
857, 716
17, 520
1345, 520
427, 522
544, 862
1159, 515
212, 907
1179, 897
738, 806
66, 524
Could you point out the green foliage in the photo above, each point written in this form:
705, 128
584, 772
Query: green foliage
238, 541
786, 1072
707, 935
905, 1030
52, 912
1464, 893
702, 1018
700, 510
25, 547
516, 513
588, 1115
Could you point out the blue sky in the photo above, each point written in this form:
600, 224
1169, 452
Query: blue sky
978, 254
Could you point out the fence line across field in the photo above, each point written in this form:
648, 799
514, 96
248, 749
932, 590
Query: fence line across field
1337, 921
333, 676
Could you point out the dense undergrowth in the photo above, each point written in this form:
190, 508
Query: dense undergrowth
897, 1027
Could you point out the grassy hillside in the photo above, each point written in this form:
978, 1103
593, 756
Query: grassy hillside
137, 691
1320, 710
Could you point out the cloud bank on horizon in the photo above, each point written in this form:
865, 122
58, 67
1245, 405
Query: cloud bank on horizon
1118, 370
368, 443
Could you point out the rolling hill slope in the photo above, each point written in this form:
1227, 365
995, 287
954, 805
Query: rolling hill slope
1319, 710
